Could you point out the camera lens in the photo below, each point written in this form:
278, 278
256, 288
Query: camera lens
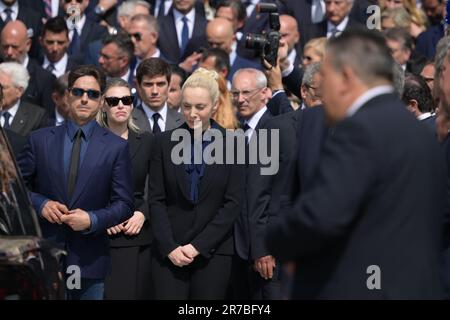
255, 41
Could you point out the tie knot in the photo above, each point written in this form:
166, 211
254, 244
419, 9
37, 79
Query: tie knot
51, 67
246, 127
79, 134
184, 19
156, 116
8, 11
6, 115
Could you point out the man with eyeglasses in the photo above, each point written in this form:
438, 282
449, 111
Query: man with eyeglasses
250, 95
117, 57
90, 187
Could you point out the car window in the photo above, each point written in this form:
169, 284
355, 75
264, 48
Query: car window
16, 214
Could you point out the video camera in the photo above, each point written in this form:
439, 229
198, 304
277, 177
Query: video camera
266, 44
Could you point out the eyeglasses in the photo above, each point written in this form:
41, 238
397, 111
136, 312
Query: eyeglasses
247, 94
114, 101
92, 94
69, 1
137, 36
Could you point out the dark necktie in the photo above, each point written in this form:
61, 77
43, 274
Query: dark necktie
184, 34
246, 128
74, 46
162, 9
156, 128
6, 115
50, 67
74, 162
8, 13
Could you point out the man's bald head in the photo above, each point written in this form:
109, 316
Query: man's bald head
289, 30
15, 42
220, 34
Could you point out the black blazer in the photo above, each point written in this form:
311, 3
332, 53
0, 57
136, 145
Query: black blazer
372, 203
16, 141
91, 32
175, 219
168, 41
140, 146
264, 192
39, 90
29, 117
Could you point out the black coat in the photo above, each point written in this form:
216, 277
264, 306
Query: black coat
140, 146
39, 90
372, 203
176, 220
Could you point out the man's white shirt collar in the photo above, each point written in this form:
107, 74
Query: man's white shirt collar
340, 27
367, 96
60, 66
149, 113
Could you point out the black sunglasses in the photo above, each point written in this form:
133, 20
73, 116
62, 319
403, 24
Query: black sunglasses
137, 36
92, 94
114, 101
69, 1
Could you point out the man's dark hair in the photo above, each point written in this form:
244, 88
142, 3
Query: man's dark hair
61, 84
222, 60
180, 72
87, 71
417, 89
55, 25
400, 35
236, 5
365, 51
153, 67
123, 42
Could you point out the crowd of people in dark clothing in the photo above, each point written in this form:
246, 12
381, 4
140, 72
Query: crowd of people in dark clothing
354, 115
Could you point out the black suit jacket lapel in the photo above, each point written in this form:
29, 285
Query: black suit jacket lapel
170, 23
19, 121
134, 143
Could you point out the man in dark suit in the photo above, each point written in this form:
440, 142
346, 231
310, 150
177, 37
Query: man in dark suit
183, 30
337, 19
18, 115
250, 94
152, 81
55, 42
361, 231
15, 45
30, 18
91, 187
426, 42
83, 29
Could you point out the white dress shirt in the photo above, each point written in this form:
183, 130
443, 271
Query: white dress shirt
315, 17
340, 27
14, 8
79, 25
253, 122
162, 119
12, 111
178, 16
60, 66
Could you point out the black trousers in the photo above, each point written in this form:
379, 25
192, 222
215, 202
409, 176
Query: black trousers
248, 283
130, 277
203, 279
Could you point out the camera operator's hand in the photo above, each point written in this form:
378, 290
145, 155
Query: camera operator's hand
273, 74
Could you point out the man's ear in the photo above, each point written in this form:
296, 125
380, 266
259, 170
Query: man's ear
303, 91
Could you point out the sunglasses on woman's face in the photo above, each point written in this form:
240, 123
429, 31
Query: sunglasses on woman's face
92, 94
114, 101
69, 1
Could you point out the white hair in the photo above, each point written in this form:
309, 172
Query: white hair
260, 77
18, 74
127, 7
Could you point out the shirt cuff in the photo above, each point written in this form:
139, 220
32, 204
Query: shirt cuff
94, 223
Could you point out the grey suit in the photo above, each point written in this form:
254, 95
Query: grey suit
29, 117
174, 119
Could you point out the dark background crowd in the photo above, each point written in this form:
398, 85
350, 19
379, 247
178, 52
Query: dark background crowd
151, 56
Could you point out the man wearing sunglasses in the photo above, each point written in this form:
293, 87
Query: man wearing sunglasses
90, 188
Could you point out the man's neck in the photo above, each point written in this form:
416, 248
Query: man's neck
155, 108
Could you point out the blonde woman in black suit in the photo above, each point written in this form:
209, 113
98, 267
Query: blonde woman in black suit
129, 241
193, 207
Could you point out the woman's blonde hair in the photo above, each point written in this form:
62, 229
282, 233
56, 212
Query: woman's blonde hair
417, 15
102, 117
225, 115
206, 79
318, 45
